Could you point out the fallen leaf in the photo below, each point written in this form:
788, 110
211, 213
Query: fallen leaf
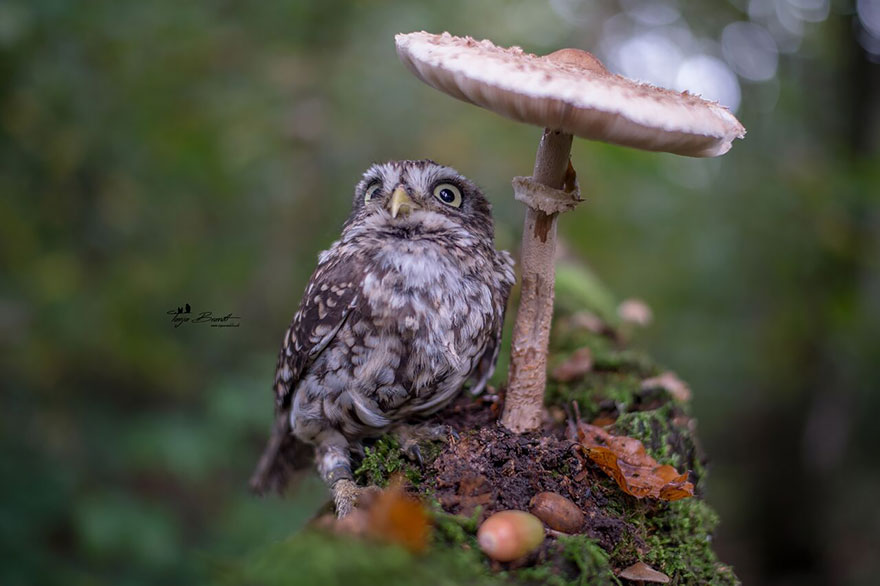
398, 518
388, 515
669, 382
642, 572
626, 461
574, 367
604, 420
635, 311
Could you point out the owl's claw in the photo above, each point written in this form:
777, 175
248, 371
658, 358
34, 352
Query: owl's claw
408, 434
409, 437
442, 432
414, 453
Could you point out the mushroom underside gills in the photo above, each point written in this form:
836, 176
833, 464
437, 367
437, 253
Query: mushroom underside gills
523, 407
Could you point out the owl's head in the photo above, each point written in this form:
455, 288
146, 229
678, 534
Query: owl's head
420, 196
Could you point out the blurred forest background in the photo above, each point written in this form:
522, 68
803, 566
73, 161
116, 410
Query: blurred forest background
159, 153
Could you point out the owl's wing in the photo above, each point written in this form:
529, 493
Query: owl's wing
504, 281
330, 297
332, 293
486, 366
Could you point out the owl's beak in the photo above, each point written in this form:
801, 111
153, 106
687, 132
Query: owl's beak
401, 202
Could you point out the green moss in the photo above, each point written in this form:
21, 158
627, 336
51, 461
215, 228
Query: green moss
590, 559
656, 432
455, 529
626, 551
546, 575
674, 538
606, 353
679, 536
383, 460
613, 384
566, 339
313, 557
626, 361
664, 440
596, 392
579, 562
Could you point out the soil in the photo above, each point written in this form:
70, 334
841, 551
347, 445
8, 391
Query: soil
491, 469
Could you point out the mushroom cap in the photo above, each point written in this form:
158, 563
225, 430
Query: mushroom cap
571, 91
642, 572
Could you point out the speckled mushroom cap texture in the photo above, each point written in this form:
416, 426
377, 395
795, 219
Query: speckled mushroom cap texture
570, 91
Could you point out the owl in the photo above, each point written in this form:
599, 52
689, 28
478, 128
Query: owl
401, 313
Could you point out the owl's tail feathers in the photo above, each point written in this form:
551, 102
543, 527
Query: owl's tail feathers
283, 458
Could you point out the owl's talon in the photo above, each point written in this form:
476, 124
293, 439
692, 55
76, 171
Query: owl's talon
414, 453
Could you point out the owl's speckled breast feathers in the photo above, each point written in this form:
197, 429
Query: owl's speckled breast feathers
401, 312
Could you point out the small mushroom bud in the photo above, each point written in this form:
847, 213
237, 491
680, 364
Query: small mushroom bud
508, 535
578, 59
557, 512
635, 311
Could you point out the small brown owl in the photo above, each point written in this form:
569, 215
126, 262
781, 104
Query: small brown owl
401, 313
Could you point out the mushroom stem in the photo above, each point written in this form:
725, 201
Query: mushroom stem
524, 402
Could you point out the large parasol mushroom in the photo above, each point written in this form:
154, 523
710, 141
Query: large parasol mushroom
568, 92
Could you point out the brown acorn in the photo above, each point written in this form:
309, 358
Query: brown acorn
508, 535
557, 512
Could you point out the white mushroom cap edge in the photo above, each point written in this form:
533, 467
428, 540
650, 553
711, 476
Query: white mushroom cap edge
569, 91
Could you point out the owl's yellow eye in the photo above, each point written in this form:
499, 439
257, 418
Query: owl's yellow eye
448, 194
371, 191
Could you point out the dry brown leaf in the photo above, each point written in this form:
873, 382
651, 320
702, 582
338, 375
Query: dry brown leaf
387, 515
642, 572
626, 461
397, 517
574, 367
670, 382
603, 420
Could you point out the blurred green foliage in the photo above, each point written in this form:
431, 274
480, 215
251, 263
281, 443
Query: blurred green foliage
160, 153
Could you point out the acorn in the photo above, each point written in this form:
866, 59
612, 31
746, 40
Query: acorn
509, 535
557, 512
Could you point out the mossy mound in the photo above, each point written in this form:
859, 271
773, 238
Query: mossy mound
489, 469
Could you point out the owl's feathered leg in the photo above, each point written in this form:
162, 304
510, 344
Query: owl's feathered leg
334, 465
345, 496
